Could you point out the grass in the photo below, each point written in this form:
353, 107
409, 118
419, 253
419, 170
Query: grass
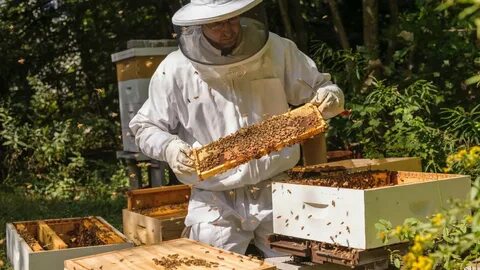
16, 206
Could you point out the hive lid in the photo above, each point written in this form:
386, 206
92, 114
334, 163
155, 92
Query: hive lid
133, 52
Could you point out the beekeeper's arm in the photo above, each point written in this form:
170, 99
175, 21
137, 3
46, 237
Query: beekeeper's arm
304, 83
154, 124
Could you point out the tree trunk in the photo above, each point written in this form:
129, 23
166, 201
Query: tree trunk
283, 5
301, 35
393, 5
337, 22
370, 26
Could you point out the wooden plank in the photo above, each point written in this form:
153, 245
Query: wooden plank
49, 237
143, 258
155, 197
28, 236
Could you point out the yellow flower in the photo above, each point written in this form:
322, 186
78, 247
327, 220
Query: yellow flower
462, 153
381, 236
475, 151
423, 263
469, 219
437, 220
417, 248
398, 230
409, 258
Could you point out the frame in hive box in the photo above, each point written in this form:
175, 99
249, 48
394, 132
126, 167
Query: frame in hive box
45, 244
156, 214
346, 216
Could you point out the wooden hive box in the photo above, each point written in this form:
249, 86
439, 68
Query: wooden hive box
45, 244
156, 257
412, 164
346, 216
156, 214
255, 141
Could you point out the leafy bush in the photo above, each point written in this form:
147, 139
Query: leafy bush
465, 161
447, 240
49, 153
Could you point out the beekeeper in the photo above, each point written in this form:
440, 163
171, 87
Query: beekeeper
230, 72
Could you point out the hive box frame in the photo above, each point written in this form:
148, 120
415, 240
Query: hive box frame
146, 230
204, 152
22, 257
347, 216
412, 164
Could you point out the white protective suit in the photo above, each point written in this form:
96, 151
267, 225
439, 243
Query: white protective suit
200, 104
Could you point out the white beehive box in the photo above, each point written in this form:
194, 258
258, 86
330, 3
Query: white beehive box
347, 216
23, 256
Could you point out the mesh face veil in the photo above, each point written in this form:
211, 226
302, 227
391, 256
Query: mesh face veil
225, 39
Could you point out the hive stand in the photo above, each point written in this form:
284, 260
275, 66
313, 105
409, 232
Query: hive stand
135, 66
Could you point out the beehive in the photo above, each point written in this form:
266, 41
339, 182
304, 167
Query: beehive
345, 212
45, 244
181, 254
258, 140
157, 214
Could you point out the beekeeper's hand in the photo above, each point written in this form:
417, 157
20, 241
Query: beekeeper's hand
180, 158
329, 100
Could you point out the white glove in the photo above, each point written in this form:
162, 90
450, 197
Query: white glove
180, 158
329, 100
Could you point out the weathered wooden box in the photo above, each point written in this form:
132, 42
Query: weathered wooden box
181, 254
45, 244
157, 214
347, 216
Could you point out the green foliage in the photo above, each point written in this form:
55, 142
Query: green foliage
400, 122
59, 116
464, 125
465, 161
447, 240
